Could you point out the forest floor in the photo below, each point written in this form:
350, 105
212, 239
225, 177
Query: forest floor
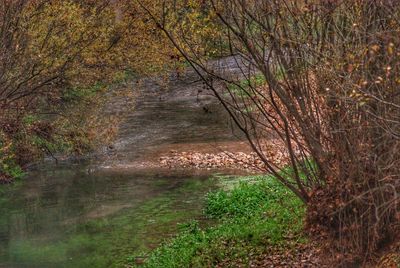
231, 155
256, 222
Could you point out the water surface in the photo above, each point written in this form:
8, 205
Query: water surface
68, 218
100, 214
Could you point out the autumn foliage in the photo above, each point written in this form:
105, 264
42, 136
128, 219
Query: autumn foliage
329, 91
320, 77
60, 61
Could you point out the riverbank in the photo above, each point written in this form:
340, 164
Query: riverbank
256, 222
236, 156
94, 220
259, 223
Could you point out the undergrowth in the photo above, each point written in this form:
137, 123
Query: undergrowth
253, 216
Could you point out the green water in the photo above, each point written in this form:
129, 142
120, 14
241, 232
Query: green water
68, 218
71, 217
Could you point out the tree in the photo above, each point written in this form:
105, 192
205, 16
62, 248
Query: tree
58, 59
328, 92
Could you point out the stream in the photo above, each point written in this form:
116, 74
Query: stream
118, 204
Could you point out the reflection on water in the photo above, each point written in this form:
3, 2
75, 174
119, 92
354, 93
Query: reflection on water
75, 216
93, 220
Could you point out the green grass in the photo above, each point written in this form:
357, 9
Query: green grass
10, 168
255, 215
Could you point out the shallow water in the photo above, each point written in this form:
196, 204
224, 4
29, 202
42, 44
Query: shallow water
100, 214
68, 218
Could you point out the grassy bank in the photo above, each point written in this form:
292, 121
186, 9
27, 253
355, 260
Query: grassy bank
252, 217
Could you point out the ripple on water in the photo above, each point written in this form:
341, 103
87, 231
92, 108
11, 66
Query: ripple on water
97, 213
